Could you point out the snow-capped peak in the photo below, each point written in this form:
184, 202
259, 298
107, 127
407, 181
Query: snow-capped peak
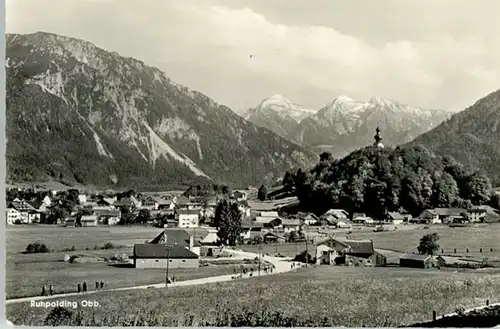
283, 107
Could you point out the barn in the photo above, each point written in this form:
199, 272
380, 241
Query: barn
159, 255
417, 261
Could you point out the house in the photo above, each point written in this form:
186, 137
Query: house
187, 203
476, 215
362, 219
187, 218
336, 221
405, 213
417, 261
271, 237
150, 203
90, 220
39, 206
163, 256
290, 225
269, 214
108, 217
69, 222
27, 213
337, 213
442, 215
47, 201
325, 255
355, 251
244, 208
82, 199
492, 214
240, 195
327, 220
308, 218
394, 218
12, 216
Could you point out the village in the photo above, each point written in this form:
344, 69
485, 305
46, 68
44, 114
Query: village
187, 226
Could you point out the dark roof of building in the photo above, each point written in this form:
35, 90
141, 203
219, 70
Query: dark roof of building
271, 234
358, 247
187, 212
108, 212
395, 215
448, 211
162, 251
174, 237
415, 257
290, 222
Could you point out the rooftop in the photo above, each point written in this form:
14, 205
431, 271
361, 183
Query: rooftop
162, 251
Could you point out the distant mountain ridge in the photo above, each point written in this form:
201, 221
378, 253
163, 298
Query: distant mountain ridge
76, 112
472, 136
277, 114
345, 124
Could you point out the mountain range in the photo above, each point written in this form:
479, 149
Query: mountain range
472, 137
345, 124
78, 113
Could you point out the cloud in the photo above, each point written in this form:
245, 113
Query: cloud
208, 47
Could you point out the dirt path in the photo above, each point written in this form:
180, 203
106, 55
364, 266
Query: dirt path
281, 265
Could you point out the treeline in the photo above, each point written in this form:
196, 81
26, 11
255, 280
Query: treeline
374, 180
208, 190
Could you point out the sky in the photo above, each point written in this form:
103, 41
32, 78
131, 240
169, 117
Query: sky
442, 54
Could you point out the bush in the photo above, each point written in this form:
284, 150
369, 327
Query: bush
59, 316
108, 245
36, 247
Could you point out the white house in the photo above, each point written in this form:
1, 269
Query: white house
12, 215
47, 201
187, 218
82, 199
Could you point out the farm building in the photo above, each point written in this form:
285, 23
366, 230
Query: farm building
395, 218
90, 220
273, 238
355, 251
290, 225
159, 255
337, 213
417, 261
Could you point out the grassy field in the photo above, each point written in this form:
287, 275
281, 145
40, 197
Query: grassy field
59, 238
27, 273
333, 296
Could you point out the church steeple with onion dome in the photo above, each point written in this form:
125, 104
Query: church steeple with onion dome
378, 138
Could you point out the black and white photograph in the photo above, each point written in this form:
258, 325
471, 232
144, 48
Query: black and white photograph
252, 163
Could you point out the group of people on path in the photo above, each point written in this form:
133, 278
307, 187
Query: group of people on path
47, 292
83, 287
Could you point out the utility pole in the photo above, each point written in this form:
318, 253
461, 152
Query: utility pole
168, 256
307, 251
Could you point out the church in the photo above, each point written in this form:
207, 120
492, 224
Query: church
378, 139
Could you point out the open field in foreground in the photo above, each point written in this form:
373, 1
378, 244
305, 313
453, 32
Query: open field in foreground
333, 296
27, 273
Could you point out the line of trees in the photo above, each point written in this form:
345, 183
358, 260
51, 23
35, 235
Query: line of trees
374, 181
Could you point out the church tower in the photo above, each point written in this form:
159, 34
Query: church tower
378, 138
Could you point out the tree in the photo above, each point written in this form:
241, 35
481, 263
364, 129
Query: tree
143, 217
325, 156
262, 193
428, 244
445, 192
477, 189
292, 236
228, 222
288, 180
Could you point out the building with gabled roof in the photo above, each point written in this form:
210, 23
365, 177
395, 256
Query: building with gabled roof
163, 256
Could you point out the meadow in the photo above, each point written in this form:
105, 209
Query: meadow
322, 296
27, 273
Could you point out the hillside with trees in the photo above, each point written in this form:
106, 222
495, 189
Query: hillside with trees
375, 180
472, 136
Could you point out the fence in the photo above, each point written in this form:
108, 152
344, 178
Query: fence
483, 250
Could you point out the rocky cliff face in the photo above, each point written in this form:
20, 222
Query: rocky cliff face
76, 112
